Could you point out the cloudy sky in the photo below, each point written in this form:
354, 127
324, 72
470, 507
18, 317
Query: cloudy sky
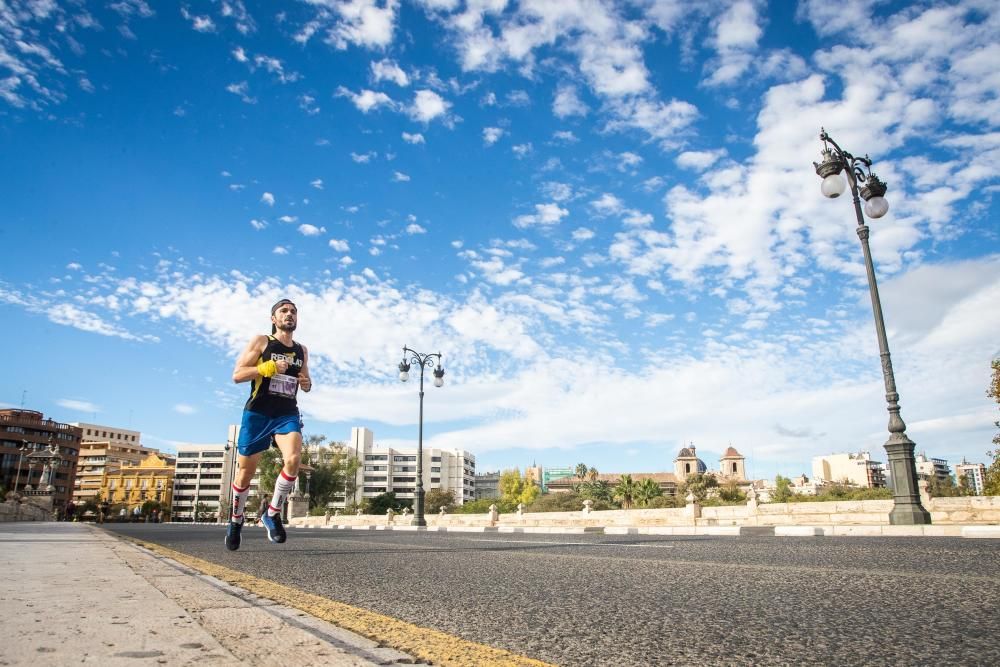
603, 214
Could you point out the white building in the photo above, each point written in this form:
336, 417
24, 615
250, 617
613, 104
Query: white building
857, 469
976, 474
203, 475
109, 434
927, 468
395, 470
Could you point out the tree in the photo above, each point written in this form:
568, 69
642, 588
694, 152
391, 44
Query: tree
698, 484
514, 490
942, 488
592, 474
269, 466
625, 491
200, 510
333, 474
438, 498
645, 491
731, 493
991, 486
581, 471
382, 503
782, 490
598, 491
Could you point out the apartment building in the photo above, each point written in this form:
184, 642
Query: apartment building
487, 486
202, 480
929, 467
395, 470
975, 473
25, 440
857, 469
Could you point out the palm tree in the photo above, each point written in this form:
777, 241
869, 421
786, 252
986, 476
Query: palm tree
581, 471
625, 491
592, 474
645, 491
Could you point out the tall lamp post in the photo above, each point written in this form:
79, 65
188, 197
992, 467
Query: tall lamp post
907, 509
423, 361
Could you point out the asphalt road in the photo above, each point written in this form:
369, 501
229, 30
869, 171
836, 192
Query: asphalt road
648, 600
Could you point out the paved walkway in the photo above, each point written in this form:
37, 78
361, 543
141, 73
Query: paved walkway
73, 594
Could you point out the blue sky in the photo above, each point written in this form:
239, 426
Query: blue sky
603, 214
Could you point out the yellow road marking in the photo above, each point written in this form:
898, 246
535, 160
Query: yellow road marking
435, 646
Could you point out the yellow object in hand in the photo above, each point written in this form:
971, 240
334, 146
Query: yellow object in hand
267, 368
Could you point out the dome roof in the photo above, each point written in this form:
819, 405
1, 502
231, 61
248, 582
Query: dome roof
701, 467
731, 451
684, 453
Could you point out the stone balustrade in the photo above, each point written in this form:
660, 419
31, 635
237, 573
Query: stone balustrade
969, 510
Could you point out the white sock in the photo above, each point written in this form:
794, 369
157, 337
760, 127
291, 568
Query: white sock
282, 487
239, 503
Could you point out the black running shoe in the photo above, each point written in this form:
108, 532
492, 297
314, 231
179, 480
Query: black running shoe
233, 535
275, 531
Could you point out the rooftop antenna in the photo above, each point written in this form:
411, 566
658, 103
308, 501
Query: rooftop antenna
24, 395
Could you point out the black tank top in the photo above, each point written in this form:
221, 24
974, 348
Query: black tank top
275, 396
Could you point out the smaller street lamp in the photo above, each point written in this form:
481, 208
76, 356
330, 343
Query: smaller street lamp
23, 449
423, 361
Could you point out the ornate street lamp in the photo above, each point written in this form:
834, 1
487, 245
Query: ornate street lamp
423, 361
23, 449
836, 165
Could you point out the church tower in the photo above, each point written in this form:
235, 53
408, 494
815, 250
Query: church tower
733, 465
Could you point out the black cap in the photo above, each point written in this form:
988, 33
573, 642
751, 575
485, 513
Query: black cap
275, 307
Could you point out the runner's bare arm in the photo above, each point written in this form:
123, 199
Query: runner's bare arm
246, 364
305, 381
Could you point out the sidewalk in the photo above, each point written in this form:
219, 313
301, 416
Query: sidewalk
74, 594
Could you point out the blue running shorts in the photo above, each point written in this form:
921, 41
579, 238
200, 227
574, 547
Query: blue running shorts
257, 429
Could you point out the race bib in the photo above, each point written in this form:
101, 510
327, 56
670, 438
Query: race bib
283, 385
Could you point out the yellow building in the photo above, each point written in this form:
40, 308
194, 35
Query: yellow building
97, 460
132, 485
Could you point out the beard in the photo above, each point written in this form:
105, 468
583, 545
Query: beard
288, 327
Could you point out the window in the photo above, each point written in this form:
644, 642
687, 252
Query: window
374, 478
405, 469
403, 480
187, 455
88, 431
374, 468
436, 459
436, 469
374, 489
376, 457
435, 480
145, 484
104, 434
397, 459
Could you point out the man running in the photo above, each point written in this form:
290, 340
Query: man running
277, 366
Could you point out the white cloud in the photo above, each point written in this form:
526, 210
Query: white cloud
565, 136
522, 150
184, 409
366, 23
699, 160
280, 250
414, 228
241, 90
74, 266
415, 138
428, 105
311, 230
317, 183
240, 55
363, 158
339, 245
267, 198
608, 204
400, 177
491, 135
567, 103
388, 70
288, 219
545, 215
583, 234
258, 224
366, 100
78, 405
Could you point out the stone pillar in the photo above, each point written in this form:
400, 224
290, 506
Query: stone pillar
520, 510
298, 505
587, 506
388, 516
693, 508
493, 515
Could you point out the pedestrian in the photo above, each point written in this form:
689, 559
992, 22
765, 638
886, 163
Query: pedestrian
102, 511
123, 515
276, 367
136, 513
